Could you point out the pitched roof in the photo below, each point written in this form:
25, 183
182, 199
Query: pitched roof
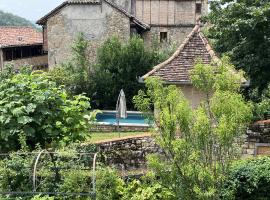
135, 20
43, 20
176, 68
19, 36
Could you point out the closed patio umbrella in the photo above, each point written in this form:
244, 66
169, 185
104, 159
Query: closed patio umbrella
121, 107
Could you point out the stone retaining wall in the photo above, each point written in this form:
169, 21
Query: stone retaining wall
129, 153
113, 128
257, 141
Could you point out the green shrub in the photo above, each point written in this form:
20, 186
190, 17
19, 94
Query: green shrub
262, 106
33, 110
39, 197
119, 65
65, 172
147, 188
109, 184
248, 179
15, 173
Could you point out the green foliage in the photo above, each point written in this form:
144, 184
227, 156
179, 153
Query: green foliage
248, 179
262, 108
119, 65
15, 173
33, 110
39, 197
146, 189
64, 172
241, 29
199, 144
8, 19
109, 184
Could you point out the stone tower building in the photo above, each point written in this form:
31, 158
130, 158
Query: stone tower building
163, 20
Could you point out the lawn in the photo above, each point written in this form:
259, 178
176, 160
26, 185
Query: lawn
100, 136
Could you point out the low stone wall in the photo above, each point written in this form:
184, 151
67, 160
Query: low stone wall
257, 141
36, 61
113, 128
129, 153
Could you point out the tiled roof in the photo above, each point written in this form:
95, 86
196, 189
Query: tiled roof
136, 21
176, 68
19, 36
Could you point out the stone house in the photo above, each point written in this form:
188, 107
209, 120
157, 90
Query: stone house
165, 20
175, 70
21, 46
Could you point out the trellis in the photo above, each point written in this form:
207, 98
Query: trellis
37, 160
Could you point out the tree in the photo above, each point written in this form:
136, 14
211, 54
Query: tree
241, 30
35, 111
199, 144
119, 65
8, 19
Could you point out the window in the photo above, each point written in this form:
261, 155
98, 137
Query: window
163, 36
198, 8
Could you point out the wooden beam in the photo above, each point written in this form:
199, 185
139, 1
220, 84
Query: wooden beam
1, 60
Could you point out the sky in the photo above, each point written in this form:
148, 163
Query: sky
29, 9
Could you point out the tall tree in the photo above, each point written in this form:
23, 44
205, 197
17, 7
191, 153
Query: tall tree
240, 28
199, 144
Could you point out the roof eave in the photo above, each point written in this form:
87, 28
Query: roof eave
19, 45
43, 20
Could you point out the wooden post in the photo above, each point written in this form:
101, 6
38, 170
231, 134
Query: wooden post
1, 60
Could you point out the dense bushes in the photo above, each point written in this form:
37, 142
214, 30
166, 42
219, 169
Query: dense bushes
34, 110
16, 173
262, 105
248, 179
119, 65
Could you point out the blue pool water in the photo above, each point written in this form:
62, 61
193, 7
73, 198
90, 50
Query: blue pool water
132, 118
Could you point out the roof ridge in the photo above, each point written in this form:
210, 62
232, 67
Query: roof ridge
209, 47
176, 53
114, 5
62, 5
137, 20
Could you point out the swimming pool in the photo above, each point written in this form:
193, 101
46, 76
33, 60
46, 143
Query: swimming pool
133, 118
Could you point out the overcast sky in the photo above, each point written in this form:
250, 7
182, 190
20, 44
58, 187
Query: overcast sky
29, 9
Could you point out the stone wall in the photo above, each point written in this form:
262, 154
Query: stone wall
121, 128
37, 61
129, 153
97, 21
176, 34
257, 140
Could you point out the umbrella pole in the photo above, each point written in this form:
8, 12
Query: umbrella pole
118, 116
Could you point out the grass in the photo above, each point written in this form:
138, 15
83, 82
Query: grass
100, 136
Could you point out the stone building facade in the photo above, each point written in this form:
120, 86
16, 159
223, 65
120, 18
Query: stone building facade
21, 46
163, 20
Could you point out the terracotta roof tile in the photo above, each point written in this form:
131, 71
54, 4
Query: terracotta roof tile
19, 36
176, 68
